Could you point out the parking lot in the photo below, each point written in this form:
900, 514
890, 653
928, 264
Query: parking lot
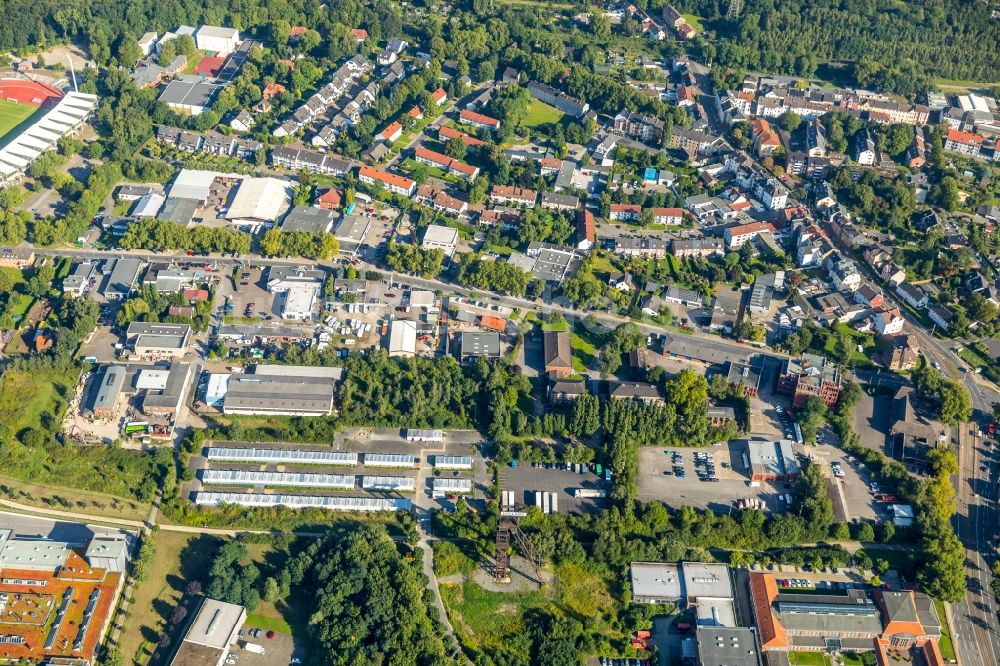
851, 494
250, 288
655, 483
525, 480
278, 648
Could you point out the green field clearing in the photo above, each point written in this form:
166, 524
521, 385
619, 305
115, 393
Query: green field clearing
179, 559
85, 501
489, 621
492, 621
808, 659
540, 113
13, 114
694, 22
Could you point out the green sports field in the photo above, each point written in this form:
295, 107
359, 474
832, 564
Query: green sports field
12, 115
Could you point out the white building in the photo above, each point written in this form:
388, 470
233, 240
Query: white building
403, 338
219, 40
297, 303
437, 237
148, 205
260, 201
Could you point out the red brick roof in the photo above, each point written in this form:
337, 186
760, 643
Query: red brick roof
445, 132
964, 137
359, 34
668, 212
439, 95
478, 118
626, 208
385, 177
585, 227
391, 130
496, 323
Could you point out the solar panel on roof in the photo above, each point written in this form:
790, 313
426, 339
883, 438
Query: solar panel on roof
299, 479
331, 502
282, 456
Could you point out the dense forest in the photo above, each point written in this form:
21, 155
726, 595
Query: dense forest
369, 603
894, 45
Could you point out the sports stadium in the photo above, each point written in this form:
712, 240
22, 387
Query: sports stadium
33, 117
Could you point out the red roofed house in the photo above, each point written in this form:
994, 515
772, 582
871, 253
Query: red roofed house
439, 96
765, 139
298, 31
738, 236
359, 34
467, 117
495, 323
416, 113
586, 234
668, 215
196, 295
41, 340
548, 166
685, 97
272, 89
963, 142
513, 195
445, 133
392, 132
391, 181
449, 164
625, 212
329, 200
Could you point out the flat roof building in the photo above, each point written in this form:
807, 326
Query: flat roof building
213, 631
772, 461
686, 583
438, 237
308, 219
281, 390
475, 345
152, 339
122, 278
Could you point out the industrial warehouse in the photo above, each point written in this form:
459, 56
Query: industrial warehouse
276, 390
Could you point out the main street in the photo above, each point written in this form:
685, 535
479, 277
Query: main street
720, 346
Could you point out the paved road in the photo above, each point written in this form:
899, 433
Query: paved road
730, 348
975, 618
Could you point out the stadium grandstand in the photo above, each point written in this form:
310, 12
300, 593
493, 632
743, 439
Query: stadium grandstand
63, 116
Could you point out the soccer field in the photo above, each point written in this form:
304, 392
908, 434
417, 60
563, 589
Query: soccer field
12, 115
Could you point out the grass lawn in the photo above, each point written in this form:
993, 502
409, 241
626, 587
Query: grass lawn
851, 659
857, 338
558, 325
601, 264
808, 659
694, 22
947, 648
281, 616
179, 558
16, 304
13, 114
585, 345
540, 113
25, 397
409, 164
899, 560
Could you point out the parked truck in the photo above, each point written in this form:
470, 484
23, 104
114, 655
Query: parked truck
253, 647
590, 492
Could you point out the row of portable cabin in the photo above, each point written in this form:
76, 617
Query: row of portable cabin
232, 477
332, 458
330, 502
